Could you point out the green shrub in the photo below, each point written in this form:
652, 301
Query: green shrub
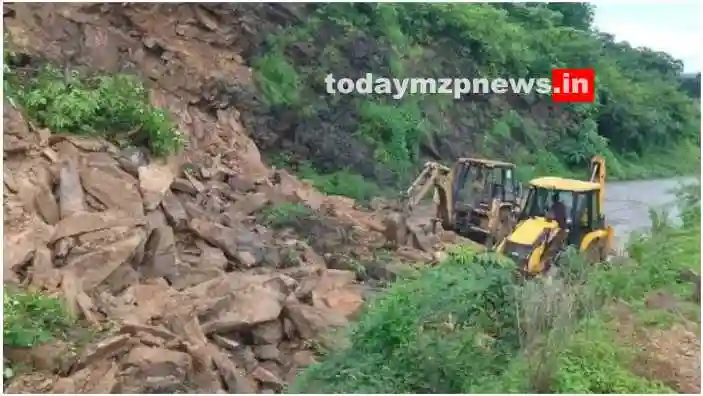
342, 183
32, 318
285, 215
115, 107
457, 320
278, 80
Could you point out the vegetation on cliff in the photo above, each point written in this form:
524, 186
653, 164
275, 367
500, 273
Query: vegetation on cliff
640, 119
115, 107
466, 327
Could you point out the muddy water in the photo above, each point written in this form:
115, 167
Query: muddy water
627, 203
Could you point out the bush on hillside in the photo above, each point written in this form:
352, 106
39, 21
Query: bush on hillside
425, 335
32, 318
112, 106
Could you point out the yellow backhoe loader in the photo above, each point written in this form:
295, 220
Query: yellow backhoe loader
477, 198
557, 213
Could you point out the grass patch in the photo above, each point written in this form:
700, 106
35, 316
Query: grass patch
593, 363
344, 183
285, 214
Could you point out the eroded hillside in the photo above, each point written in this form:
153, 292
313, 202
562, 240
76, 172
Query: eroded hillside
208, 271
202, 271
269, 62
639, 114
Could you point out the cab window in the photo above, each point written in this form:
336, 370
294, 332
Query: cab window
539, 201
536, 203
464, 176
567, 198
581, 213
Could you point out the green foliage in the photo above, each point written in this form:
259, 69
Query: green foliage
30, 319
278, 80
691, 84
640, 118
690, 198
476, 331
397, 131
466, 329
285, 215
592, 363
115, 106
342, 183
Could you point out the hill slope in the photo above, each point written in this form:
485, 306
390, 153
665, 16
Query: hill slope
639, 117
115, 259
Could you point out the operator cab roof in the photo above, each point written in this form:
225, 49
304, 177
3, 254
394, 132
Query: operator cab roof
561, 184
488, 163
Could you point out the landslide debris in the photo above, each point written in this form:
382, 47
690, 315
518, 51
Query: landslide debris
206, 271
174, 266
190, 292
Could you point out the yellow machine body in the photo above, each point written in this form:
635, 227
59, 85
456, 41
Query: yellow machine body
538, 239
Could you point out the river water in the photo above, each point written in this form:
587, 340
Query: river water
627, 204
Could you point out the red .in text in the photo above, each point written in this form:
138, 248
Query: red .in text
573, 85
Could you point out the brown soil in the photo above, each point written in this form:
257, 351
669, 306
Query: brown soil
671, 355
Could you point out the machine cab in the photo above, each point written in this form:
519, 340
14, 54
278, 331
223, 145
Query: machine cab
498, 182
574, 205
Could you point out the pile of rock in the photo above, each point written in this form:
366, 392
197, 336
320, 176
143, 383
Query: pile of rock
167, 260
169, 264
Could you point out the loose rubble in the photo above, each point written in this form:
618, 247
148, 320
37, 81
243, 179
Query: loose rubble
186, 289
169, 260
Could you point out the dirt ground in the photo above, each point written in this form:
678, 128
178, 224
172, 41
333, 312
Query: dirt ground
670, 353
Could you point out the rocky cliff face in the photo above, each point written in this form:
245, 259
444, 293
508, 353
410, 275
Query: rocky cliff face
187, 289
190, 54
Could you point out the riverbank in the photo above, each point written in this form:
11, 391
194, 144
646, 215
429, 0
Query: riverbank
610, 330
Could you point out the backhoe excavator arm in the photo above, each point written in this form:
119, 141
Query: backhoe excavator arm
438, 176
598, 176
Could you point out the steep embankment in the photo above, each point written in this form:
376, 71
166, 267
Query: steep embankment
204, 271
641, 118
